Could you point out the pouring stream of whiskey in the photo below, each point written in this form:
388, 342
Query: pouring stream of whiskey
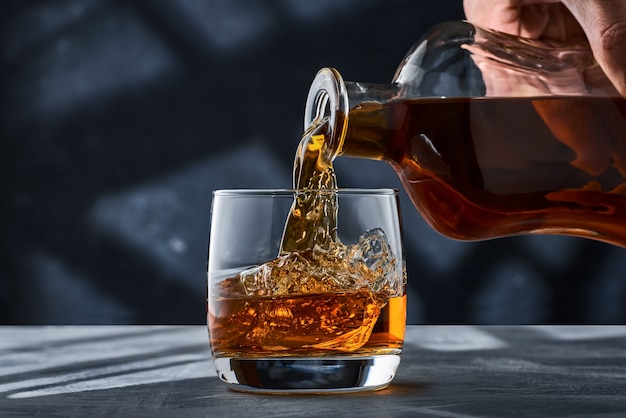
312, 220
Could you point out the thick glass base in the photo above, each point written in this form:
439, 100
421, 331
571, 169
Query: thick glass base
308, 375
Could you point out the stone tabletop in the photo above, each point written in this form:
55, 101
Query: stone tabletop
446, 371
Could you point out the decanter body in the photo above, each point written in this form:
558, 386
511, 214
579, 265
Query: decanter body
491, 135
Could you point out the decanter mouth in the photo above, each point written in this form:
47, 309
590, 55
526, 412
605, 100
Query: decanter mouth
327, 103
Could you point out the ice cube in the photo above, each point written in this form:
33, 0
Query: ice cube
374, 250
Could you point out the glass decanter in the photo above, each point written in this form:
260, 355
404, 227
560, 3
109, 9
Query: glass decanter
491, 135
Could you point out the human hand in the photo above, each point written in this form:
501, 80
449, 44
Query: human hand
602, 22
593, 130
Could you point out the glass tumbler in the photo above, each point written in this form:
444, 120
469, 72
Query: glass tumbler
325, 319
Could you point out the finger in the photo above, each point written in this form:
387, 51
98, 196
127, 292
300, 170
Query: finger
527, 18
501, 15
581, 125
604, 23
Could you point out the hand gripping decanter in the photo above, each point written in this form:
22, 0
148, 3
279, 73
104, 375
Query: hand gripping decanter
491, 135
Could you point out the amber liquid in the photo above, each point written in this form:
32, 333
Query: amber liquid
487, 168
322, 324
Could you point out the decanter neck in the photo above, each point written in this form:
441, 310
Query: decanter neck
330, 100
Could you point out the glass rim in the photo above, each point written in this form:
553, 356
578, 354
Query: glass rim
291, 192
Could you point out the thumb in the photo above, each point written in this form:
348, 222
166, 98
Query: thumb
604, 23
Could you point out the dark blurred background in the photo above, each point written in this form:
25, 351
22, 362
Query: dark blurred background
120, 117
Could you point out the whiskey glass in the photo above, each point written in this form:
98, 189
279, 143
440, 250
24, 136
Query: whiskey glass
317, 320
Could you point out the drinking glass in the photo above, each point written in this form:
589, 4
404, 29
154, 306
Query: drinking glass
313, 320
